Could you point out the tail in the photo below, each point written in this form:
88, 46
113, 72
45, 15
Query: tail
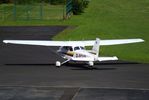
96, 47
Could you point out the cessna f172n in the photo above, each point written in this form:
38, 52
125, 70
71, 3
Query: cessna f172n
75, 50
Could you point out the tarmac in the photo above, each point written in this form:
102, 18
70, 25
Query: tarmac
29, 72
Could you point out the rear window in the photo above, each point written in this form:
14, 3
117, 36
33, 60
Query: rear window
76, 48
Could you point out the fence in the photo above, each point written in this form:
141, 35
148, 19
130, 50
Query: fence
33, 11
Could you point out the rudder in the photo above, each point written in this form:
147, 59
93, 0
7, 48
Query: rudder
96, 47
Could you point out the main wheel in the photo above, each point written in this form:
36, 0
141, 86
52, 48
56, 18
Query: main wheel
91, 64
58, 64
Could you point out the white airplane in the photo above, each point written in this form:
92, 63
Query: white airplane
75, 50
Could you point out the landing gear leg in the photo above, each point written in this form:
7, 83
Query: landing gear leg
58, 63
91, 64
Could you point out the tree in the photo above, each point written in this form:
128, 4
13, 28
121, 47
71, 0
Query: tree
79, 6
55, 2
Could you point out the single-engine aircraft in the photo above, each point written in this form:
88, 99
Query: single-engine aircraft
75, 50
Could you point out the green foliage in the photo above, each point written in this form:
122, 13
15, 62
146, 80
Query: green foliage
79, 6
5, 1
85, 3
55, 2
30, 12
26, 1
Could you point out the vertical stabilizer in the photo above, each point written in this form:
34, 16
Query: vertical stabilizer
96, 47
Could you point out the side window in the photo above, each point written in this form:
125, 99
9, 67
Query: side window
76, 48
82, 48
71, 49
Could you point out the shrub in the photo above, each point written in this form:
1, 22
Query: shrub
26, 1
6, 1
56, 2
79, 6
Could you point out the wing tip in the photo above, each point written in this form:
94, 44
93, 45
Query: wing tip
115, 58
141, 40
5, 41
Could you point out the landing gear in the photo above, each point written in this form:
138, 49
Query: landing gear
91, 64
58, 64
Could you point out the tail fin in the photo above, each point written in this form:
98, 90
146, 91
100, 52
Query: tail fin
96, 47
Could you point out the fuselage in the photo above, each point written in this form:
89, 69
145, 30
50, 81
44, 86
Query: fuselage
76, 53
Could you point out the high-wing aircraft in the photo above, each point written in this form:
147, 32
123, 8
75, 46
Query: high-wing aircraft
75, 50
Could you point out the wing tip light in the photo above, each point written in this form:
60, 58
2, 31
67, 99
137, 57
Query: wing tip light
141, 40
5, 41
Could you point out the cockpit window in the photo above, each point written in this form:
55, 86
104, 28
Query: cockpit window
67, 48
76, 48
82, 48
70, 48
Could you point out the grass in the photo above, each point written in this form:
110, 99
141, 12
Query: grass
30, 12
108, 19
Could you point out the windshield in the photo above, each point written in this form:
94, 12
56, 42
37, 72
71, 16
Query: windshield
82, 48
76, 48
67, 48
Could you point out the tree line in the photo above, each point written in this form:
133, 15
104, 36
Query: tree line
33, 1
78, 6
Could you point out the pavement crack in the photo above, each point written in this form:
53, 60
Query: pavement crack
69, 93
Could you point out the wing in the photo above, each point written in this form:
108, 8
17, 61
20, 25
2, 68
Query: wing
113, 42
107, 58
46, 43
73, 43
120, 41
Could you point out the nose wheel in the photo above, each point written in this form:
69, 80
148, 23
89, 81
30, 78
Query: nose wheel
91, 64
58, 63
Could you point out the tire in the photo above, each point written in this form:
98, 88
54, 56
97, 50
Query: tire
58, 64
91, 64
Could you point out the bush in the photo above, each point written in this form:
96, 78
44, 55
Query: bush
79, 6
85, 3
56, 2
6, 1
26, 1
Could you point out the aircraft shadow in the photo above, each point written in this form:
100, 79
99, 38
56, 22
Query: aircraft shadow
98, 65
71, 66
119, 62
29, 64
86, 67
80, 66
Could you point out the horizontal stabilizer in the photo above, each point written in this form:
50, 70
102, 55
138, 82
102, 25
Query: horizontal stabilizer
107, 58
